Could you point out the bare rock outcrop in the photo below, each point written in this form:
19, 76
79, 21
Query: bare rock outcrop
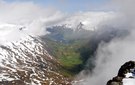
124, 69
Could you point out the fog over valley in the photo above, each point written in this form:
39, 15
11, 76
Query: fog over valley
50, 43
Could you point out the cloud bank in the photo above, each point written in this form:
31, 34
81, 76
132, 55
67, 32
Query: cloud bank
31, 17
20, 18
110, 56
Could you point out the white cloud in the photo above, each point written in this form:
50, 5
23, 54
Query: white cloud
110, 56
36, 18
91, 20
25, 14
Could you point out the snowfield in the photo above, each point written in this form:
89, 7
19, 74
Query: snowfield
129, 81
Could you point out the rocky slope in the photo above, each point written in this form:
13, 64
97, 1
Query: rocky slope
126, 75
26, 62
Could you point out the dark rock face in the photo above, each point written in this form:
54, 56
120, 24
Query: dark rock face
115, 81
126, 68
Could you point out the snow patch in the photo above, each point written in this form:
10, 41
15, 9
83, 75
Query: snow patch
128, 81
129, 75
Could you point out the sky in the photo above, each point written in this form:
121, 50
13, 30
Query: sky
70, 5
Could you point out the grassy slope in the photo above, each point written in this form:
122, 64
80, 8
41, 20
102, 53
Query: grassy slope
67, 55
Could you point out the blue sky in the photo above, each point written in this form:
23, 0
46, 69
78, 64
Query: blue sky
70, 5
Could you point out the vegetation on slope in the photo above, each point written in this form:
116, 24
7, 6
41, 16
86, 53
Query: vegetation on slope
68, 55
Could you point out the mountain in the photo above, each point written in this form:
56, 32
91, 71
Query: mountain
26, 62
126, 75
83, 42
90, 20
65, 34
24, 59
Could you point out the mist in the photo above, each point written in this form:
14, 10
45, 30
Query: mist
31, 18
111, 55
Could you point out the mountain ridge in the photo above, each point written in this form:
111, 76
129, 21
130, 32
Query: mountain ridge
27, 62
